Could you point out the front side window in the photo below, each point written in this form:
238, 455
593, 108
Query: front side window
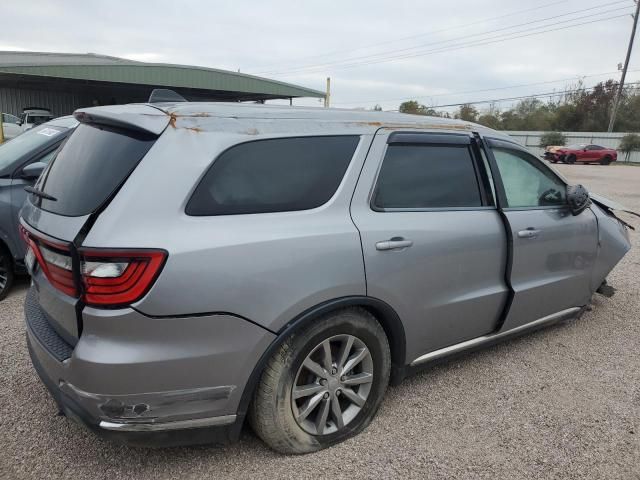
427, 176
274, 175
526, 182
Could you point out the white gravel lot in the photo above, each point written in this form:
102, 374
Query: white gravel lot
559, 403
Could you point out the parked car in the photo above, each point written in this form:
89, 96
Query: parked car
10, 126
196, 264
21, 162
582, 153
32, 116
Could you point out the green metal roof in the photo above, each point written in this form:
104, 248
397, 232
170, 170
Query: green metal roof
103, 68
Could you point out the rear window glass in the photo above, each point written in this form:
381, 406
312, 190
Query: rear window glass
427, 176
275, 175
92, 164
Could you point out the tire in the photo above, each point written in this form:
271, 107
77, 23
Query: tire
277, 418
571, 159
553, 161
6, 273
606, 160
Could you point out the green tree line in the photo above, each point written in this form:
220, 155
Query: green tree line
581, 109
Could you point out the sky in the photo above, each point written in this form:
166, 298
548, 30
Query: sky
376, 52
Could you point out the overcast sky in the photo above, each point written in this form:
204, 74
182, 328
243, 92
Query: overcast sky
303, 42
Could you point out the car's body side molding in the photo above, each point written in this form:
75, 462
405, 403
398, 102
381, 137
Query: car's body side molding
494, 337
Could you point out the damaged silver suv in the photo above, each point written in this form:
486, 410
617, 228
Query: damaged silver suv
198, 265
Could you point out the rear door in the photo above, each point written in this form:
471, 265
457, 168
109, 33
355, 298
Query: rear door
433, 242
553, 251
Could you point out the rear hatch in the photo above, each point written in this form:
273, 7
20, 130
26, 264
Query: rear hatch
92, 165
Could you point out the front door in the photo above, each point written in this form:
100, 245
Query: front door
434, 245
553, 250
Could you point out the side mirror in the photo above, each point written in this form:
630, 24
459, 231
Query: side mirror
578, 198
33, 171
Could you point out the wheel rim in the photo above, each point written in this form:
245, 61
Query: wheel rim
4, 273
332, 385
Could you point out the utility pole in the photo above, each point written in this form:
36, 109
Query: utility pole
616, 99
327, 96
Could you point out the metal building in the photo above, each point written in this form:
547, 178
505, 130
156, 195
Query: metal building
63, 82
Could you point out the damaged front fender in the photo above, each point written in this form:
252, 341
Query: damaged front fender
613, 242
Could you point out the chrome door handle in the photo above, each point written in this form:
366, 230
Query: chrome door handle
528, 233
396, 243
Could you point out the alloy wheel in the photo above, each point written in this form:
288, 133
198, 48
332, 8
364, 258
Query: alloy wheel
332, 385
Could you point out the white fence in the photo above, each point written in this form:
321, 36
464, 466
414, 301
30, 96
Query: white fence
611, 140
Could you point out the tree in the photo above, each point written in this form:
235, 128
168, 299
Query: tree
576, 108
490, 120
413, 107
552, 138
629, 143
468, 113
377, 108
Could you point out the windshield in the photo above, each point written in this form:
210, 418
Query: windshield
576, 146
30, 141
38, 119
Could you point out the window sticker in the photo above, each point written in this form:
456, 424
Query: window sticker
48, 132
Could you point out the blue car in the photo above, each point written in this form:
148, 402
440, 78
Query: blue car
22, 159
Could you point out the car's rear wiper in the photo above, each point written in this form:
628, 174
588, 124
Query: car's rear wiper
40, 193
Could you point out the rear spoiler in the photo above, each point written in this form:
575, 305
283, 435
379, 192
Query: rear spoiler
139, 117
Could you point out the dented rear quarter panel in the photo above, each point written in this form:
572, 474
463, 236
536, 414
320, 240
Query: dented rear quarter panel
265, 267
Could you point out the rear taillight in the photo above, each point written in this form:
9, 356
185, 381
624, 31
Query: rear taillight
55, 261
110, 277
118, 277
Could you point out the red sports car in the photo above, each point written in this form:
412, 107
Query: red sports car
582, 153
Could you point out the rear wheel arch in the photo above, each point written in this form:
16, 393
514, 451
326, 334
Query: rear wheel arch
383, 312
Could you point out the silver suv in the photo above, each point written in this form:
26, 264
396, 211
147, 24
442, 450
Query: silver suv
197, 264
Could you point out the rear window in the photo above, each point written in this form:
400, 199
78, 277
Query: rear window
276, 175
92, 164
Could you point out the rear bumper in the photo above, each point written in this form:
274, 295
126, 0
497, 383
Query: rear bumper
143, 393
183, 435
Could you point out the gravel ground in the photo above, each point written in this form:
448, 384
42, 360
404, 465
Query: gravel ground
559, 403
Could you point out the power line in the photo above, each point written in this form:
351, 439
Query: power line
449, 94
523, 97
468, 45
391, 55
401, 39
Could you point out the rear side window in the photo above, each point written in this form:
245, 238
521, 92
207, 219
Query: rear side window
427, 176
92, 164
276, 175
